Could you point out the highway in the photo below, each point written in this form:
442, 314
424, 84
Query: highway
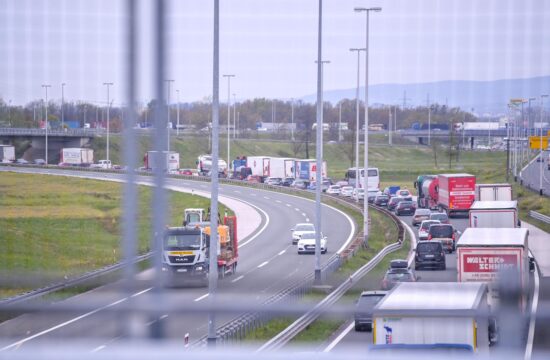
267, 265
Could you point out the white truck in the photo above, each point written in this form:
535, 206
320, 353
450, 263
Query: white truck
77, 156
494, 214
493, 192
204, 165
281, 167
429, 315
7, 153
259, 165
483, 253
307, 169
102, 164
170, 161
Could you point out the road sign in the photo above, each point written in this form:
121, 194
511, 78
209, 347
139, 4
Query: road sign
534, 142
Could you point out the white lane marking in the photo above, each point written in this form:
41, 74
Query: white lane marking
164, 316
21, 342
258, 233
99, 348
282, 252
236, 191
339, 338
533, 316
278, 201
263, 264
141, 292
304, 215
296, 209
237, 279
201, 297
307, 219
288, 205
267, 197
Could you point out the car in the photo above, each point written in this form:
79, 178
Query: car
188, 172
325, 184
394, 276
39, 162
441, 216
254, 179
429, 254
445, 234
381, 200
394, 200
420, 215
21, 161
346, 191
333, 190
363, 309
358, 194
403, 193
371, 194
342, 183
300, 184
424, 228
405, 207
287, 181
306, 244
276, 181
300, 229
391, 190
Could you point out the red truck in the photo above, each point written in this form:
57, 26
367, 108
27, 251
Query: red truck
456, 193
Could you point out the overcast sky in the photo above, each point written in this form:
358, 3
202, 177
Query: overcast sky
270, 45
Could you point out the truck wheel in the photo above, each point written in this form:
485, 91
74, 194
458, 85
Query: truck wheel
221, 272
234, 269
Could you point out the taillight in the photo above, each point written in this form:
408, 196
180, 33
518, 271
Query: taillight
429, 236
453, 237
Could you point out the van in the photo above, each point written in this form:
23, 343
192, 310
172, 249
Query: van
429, 254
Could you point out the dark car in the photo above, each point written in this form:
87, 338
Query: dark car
39, 162
381, 200
287, 181
444, 233
429, 254
363, 309
441, 216
394, 276
392, 203
405, 208
420, 215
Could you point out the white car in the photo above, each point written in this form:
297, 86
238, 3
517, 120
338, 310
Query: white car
300, 229
334, 190
358, 194
424, 228
307, 243
346, 191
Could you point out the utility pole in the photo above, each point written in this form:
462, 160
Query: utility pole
234, 115
46, 86
168, 122
292, 119
178, 113
108, 115
389, 127
340, 121
540, 153
62, 105
228, 76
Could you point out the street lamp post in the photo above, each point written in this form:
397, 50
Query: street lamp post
228, 76
168, 125
357, 110
62, 105
292, 119
108, 117
366, 170
46, 86
234, 115
178, 113
9, 113
540, 154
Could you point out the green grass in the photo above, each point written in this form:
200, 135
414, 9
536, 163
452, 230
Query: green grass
57, 227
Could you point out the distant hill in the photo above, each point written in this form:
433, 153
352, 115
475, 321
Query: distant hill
482, 96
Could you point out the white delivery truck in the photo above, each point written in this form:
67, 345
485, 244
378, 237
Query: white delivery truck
438, 315
77, 156
494, 214
7, 153
484, 253
307, 169
170, 161
493, 192
281, 167
259, 165
204, 165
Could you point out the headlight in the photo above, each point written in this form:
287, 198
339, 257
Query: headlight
199, 268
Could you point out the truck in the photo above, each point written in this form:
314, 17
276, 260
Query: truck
186, 250
483, 254
494, 214
76, 156
426, 187
204, 165
281, 167
102, 164
493, 192
428, 315
170, 161
7, 153
259, 165
455, 193
307, 169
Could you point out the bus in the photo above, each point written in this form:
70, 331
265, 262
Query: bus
373, 173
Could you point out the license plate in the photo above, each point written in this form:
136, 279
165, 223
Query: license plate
181, 270
429, 256
406, 208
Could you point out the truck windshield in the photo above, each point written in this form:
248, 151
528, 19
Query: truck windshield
182, 242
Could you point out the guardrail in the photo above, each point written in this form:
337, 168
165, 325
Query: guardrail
51, 132
539, 216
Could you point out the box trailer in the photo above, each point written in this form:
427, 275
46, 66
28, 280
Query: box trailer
493, 192
7, 153
418, 314
259, 165
307, 169
494, 214
456, 192
170, 161
281, 167
485, 253
77, 156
